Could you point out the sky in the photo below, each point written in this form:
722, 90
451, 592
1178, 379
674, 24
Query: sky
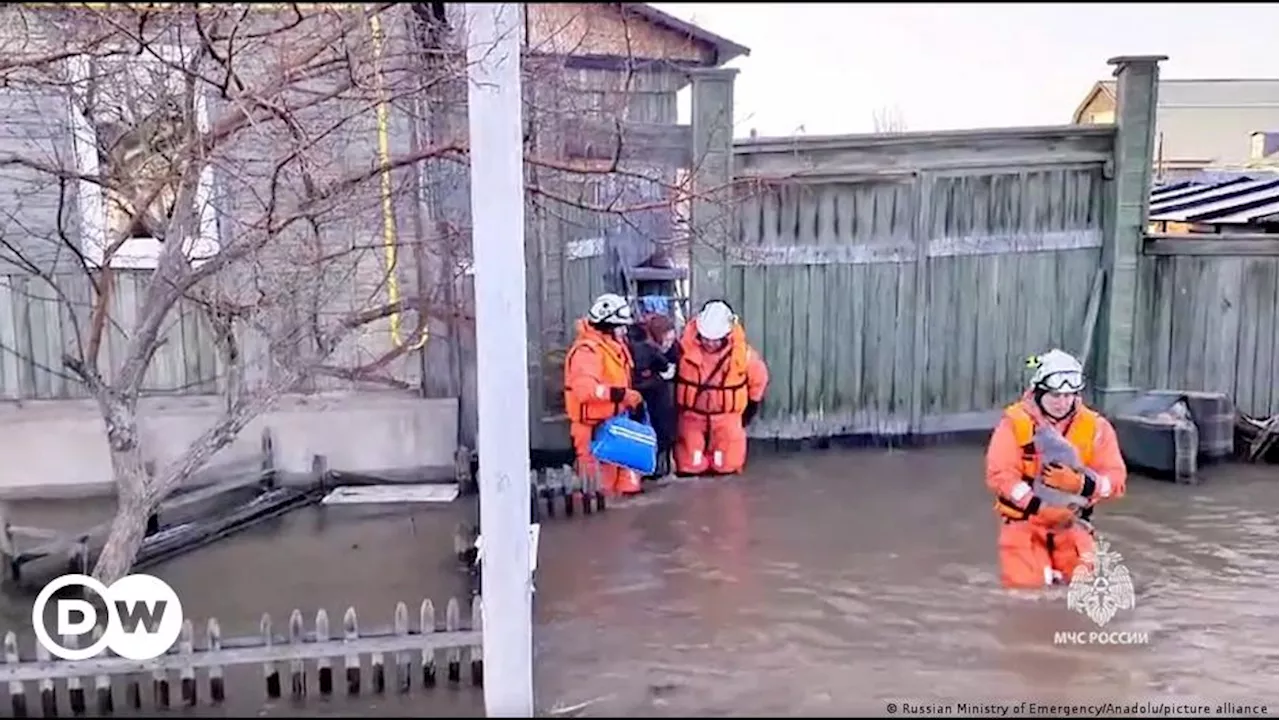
827, 69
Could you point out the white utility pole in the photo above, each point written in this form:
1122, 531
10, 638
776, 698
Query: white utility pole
497, 242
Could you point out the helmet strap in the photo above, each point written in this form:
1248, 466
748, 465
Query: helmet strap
605, 327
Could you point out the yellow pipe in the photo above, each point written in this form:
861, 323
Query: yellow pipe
388, 208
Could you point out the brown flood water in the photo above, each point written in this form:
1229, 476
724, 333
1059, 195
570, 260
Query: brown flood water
828, 583
837, 582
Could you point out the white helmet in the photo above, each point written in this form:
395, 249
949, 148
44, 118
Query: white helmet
1057, 371
610, 309
716, 320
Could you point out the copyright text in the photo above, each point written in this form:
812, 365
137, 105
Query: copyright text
1034, 709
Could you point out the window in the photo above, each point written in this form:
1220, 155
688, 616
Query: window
126, 115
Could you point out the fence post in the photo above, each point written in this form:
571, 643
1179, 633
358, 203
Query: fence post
920, 230
268, 460
711, 216
319, 470
8, 549
1127, 198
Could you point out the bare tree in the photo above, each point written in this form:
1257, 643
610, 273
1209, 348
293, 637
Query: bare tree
164, 102
219, 159
888, 120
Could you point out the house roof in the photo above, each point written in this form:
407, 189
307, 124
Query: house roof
726, 49
1102, 86
1226, 93
1222, 199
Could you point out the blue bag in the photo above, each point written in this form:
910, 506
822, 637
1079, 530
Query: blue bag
627, 443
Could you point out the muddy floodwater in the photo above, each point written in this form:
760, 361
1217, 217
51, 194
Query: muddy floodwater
840, 581
826, 583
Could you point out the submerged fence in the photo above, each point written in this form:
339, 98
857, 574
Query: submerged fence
413, 654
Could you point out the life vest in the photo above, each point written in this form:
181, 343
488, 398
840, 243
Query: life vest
722, 388
616, 366
1081, 432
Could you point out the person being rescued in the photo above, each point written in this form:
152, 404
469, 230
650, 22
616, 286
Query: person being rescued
1042, 542
720, 383
654, 349
597, 386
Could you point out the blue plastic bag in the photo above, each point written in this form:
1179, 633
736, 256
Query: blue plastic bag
627, 443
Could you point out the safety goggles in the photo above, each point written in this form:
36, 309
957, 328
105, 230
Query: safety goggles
621, 316
1062, 382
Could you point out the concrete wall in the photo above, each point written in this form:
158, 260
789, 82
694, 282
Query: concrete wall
59, 448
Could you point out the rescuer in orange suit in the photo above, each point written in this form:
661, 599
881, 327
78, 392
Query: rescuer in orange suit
1042, 543
720, 383
597, 386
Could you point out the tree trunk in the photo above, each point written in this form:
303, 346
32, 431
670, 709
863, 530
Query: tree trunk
129, 525
127, 531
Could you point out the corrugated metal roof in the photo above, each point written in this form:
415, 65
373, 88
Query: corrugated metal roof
1240, 200
1251, 217
1163, 195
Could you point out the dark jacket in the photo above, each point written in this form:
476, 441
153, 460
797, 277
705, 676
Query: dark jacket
658, 394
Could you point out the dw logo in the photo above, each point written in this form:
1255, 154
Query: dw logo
144, 617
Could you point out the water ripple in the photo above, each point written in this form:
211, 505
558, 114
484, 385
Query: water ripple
816, 586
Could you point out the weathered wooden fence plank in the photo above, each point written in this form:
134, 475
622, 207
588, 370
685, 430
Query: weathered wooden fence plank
267, 649
213, 641
885, 304
1212, 327
102, 684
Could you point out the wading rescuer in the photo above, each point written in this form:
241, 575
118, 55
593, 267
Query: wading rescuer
1043, 540
597, 386
720, 383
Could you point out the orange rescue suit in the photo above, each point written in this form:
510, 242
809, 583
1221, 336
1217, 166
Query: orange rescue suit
1033, 550
595, 364
712, 390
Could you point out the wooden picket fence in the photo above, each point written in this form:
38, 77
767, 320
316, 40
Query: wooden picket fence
414, 651
562, 491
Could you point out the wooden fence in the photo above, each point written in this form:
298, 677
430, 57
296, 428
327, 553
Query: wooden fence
1213, 318
561, 491
414, 654
896, 285
42, 321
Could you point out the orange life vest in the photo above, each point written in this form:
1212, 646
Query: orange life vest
1080, 434
718, 389
616, 363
